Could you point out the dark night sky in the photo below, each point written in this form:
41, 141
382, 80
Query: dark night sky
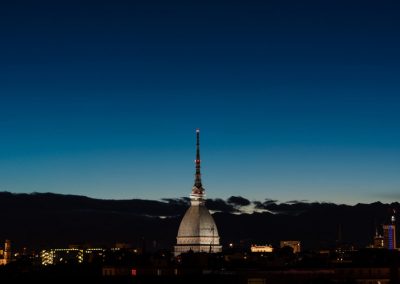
295, 99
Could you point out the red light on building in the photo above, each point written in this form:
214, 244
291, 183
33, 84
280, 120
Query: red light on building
133, 272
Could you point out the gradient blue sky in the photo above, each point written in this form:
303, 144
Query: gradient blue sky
296, 100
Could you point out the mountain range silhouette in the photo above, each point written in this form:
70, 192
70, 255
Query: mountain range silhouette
43, 220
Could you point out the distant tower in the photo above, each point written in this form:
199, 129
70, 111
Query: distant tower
197, 231
7, 252
389, 233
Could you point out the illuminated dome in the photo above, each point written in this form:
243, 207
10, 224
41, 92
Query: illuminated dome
197, 231
198, 222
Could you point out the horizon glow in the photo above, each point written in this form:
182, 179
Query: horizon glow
294, 102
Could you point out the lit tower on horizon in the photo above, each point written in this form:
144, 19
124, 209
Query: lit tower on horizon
197, 231
389, 233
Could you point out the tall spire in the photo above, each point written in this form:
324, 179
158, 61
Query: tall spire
198, 187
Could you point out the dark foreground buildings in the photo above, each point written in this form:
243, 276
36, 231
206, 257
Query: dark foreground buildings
233, 265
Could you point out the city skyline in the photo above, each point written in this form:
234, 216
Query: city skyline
294, 101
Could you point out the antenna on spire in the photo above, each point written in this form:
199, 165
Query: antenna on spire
197, 182
198, 187
393, 218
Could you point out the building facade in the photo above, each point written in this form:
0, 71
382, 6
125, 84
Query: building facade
6, 253
261, 248
295, 245
389, 236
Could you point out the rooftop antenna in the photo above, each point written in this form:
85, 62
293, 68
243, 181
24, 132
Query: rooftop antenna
197, 195
393, 218
197, 181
